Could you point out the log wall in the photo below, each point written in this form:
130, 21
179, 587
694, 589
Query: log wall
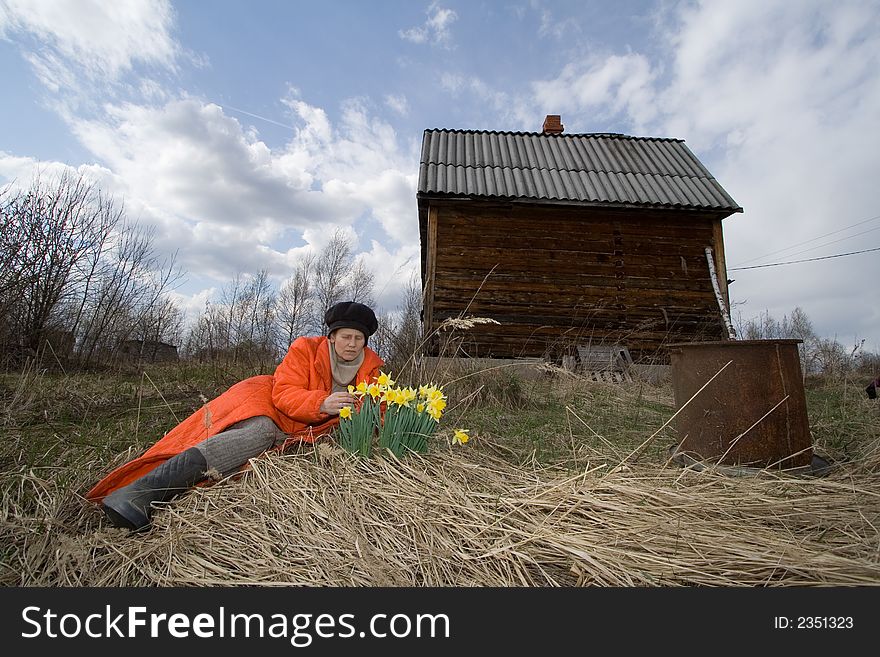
558, 276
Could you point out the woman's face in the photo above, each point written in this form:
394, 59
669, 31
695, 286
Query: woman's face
348, 343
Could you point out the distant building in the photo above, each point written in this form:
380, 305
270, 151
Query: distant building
569, 239
148, 351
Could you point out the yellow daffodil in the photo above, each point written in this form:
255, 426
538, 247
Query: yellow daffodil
362, 388
420, 407
374, 391
461, 436
384, 380
345, 412
350, 390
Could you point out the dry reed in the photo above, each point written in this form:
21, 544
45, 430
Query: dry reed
463, 517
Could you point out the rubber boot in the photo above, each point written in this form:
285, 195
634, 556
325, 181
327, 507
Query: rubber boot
130, 506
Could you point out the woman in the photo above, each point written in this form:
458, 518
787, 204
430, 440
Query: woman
298, 403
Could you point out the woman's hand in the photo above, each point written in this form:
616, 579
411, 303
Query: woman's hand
335, 402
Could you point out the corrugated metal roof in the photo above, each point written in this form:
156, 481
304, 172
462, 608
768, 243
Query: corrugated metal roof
587, 168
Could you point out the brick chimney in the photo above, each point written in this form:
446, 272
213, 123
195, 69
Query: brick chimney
553, 124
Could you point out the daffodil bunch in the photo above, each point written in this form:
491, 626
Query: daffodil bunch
404, 417
411, 417
357, 425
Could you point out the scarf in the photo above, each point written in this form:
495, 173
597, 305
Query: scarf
343, 372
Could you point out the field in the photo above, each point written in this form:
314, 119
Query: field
565, 482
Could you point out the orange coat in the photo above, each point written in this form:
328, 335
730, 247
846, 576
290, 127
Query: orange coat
292, 397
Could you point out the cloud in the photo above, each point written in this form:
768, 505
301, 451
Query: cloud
91, 38
192, 159
780, 101
397, 104
435, 30
790, 127
229, 202
551, 26
193, 305
604, 87
19, 171
491, 107
392, 269
361, 161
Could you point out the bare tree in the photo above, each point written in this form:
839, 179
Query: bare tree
74, 267
53, 234
163, 322
331, 271
408, 329
296, 301
359, 284
241, 328
128, 288
339, 276
258, 337
382, 341
831, 357
205, 339
12, 272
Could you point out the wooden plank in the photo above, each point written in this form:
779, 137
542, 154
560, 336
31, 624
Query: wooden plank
428, 320
517, 319
488, 230
720, 260
571, 213
633, 301
505, 268
591, 285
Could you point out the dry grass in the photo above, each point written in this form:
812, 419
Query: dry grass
466, 518
489, 514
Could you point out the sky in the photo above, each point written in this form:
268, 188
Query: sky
247, 132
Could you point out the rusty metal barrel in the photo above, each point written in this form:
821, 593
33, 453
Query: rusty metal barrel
752, 413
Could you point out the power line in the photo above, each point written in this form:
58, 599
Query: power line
833, 232
794, 262
822, 246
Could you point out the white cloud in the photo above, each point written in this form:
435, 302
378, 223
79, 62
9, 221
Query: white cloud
604, 87
100, 40
397, 103
392, 270
192, 159
496, 109
435, 30
785, 98
551, 25
193, 305
780, 101
19, 171
228, 202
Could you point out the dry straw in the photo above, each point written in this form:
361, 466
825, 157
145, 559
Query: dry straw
463, 517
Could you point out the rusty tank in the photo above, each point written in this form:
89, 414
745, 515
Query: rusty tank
752, 413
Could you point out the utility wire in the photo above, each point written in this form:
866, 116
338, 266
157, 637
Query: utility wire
794, 262
833, 232
822, 246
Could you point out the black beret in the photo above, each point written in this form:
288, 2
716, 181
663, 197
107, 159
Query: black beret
351, 314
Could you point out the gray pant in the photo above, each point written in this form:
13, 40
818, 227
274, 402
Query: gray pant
227, 451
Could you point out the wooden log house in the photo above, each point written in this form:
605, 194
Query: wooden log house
569, 239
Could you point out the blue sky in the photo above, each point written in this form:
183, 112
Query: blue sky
246, 132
